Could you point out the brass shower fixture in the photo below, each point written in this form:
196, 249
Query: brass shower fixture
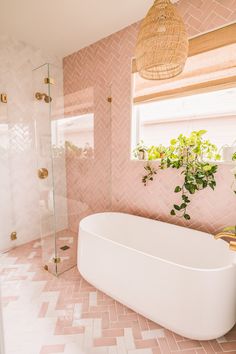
13, 236
39, 96
3, 97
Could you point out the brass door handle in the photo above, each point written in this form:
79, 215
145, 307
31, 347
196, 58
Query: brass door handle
42, 173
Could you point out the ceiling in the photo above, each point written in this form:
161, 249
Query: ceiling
65, 26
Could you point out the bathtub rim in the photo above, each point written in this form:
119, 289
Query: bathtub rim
212, 270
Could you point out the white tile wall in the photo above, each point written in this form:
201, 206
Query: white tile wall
19, 188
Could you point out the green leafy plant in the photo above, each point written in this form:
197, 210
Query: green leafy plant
156, 152
192, 155
150, 173
233, 186
234, 157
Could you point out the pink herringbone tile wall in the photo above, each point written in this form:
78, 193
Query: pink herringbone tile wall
105, 64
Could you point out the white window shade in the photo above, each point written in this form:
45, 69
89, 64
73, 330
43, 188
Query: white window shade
210, 70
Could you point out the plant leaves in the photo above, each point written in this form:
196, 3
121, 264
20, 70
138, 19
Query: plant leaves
187, 217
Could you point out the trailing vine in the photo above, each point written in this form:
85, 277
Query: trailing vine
191, 155
150, 174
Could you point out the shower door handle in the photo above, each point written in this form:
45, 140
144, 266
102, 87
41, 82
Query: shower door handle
42, 173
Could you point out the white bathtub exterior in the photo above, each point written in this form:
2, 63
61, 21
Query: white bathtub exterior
180, 278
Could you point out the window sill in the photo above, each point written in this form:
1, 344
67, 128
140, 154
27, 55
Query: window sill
230, 163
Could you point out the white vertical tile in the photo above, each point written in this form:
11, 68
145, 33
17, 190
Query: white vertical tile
129, 339
97, 328
121, 347
93, 299
140, 351
157, 333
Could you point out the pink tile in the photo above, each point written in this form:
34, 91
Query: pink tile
207, 347
171, 340
73, 330
228, 346
147, 343
187, 344
113, 333
103, 342
52, 349
165, 349
156, 350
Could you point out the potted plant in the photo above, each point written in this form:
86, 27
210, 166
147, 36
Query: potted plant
229, 152
141, 151
190, 154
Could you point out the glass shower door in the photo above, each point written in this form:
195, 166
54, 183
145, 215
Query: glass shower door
56, 241
73, 135
42, 119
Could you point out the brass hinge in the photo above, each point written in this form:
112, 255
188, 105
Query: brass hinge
56, 260
109, 99
13, 236
49, 80
3, 97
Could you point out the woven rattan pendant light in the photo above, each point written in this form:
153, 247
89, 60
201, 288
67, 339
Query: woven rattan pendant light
162, 45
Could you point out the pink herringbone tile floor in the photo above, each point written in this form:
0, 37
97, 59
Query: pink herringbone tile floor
46, 315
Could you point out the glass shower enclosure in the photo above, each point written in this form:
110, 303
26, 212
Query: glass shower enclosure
58, 243
55, 162
73, 163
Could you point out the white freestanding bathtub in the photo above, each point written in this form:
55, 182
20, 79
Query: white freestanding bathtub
180, 278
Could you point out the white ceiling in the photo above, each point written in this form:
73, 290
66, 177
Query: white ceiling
65, 26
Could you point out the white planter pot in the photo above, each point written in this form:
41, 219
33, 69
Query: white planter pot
227, 153
142, 155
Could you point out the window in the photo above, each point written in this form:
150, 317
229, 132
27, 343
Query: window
203, 97
158, 122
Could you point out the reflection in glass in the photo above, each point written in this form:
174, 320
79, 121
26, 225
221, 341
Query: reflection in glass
75, 134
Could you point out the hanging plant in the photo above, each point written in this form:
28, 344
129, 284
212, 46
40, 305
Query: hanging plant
191, 155
233, 186
150, 174
231, 230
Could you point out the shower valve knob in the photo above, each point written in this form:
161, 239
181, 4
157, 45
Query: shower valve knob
43, 173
